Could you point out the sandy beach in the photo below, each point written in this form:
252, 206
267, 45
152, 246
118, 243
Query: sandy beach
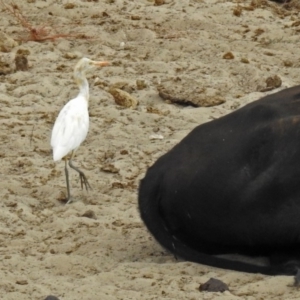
220, 54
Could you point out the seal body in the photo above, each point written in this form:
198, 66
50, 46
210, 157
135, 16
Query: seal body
232, 185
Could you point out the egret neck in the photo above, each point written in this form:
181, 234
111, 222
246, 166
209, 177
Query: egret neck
83, 85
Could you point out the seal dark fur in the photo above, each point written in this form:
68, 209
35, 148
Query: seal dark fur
232, 186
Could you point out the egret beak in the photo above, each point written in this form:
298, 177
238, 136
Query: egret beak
101, 63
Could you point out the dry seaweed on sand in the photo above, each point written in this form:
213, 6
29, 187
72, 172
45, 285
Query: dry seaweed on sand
37, 33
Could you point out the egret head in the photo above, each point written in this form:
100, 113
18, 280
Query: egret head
85, 64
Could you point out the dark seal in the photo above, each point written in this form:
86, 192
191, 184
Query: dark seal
232, 185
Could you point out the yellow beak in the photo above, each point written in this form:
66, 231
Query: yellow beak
101, 63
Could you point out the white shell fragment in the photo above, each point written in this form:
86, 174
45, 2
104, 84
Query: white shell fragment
156, 137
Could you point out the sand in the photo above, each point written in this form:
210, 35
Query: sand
97, 247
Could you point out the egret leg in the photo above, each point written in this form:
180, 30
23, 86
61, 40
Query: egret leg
83, 179
69, 199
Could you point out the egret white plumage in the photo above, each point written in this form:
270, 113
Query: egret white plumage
72, 124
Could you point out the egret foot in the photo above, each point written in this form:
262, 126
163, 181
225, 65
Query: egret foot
83, 179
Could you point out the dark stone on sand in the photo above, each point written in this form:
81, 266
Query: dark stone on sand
213, 285
281, 1
50, 297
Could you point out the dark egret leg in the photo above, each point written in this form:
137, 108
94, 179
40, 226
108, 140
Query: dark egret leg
83, 179
69, 198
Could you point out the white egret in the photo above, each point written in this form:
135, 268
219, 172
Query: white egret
72, 124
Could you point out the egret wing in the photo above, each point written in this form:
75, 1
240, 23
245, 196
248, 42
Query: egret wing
70, 128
